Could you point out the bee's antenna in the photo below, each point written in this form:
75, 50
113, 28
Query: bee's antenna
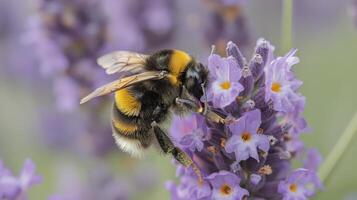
213, 49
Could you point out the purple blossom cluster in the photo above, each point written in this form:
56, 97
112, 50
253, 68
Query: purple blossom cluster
251, 157
101, 182
15, 187
66, 35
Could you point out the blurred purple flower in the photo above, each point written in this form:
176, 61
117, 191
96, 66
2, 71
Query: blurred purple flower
226, 186
101, 183
245, 140
300, 184
189, 189
224, 76
255, 152
313, 159
354, 11
226, 22
281, 84
67, 93
15, 188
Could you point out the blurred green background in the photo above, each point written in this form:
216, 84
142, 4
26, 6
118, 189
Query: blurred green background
327, 42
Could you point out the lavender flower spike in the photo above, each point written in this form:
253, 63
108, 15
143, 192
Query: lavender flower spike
251, 157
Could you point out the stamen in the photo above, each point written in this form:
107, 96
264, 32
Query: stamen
226, 189
276, 87
225, 85
212, 149
266, 170
223, 142
246, 136
293, 187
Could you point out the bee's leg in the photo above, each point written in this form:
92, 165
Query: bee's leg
214, 117
209, 114
205, 107
169, 148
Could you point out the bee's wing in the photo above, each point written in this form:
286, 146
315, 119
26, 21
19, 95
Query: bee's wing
123, 83
123, 61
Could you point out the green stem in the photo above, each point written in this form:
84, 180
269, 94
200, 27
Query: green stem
338, 150
286, 25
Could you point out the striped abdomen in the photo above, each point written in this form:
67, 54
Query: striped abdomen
128, 128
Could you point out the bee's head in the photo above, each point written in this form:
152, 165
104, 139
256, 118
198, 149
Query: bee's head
195, 75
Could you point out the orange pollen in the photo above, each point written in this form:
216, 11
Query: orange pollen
226, 189
260, 131
266, 170
276, 87
212, 149
246, 136
223, 142
293, 187
225, 85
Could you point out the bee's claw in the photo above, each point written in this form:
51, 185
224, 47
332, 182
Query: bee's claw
229, 120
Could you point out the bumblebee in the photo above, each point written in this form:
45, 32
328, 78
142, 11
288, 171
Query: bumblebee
149, 89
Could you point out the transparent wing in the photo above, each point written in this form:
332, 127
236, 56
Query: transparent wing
123, 61
123, 83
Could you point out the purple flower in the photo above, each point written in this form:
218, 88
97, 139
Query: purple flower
195, 134
295, 119
12, 187
313, 159
226, 186
67, 93
189, 131
193, 141
280, 84
224, 76
189, 189
245, 140
299, 185
157, 17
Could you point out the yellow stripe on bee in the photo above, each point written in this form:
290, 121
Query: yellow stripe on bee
127, 103
178, 63
124, 127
